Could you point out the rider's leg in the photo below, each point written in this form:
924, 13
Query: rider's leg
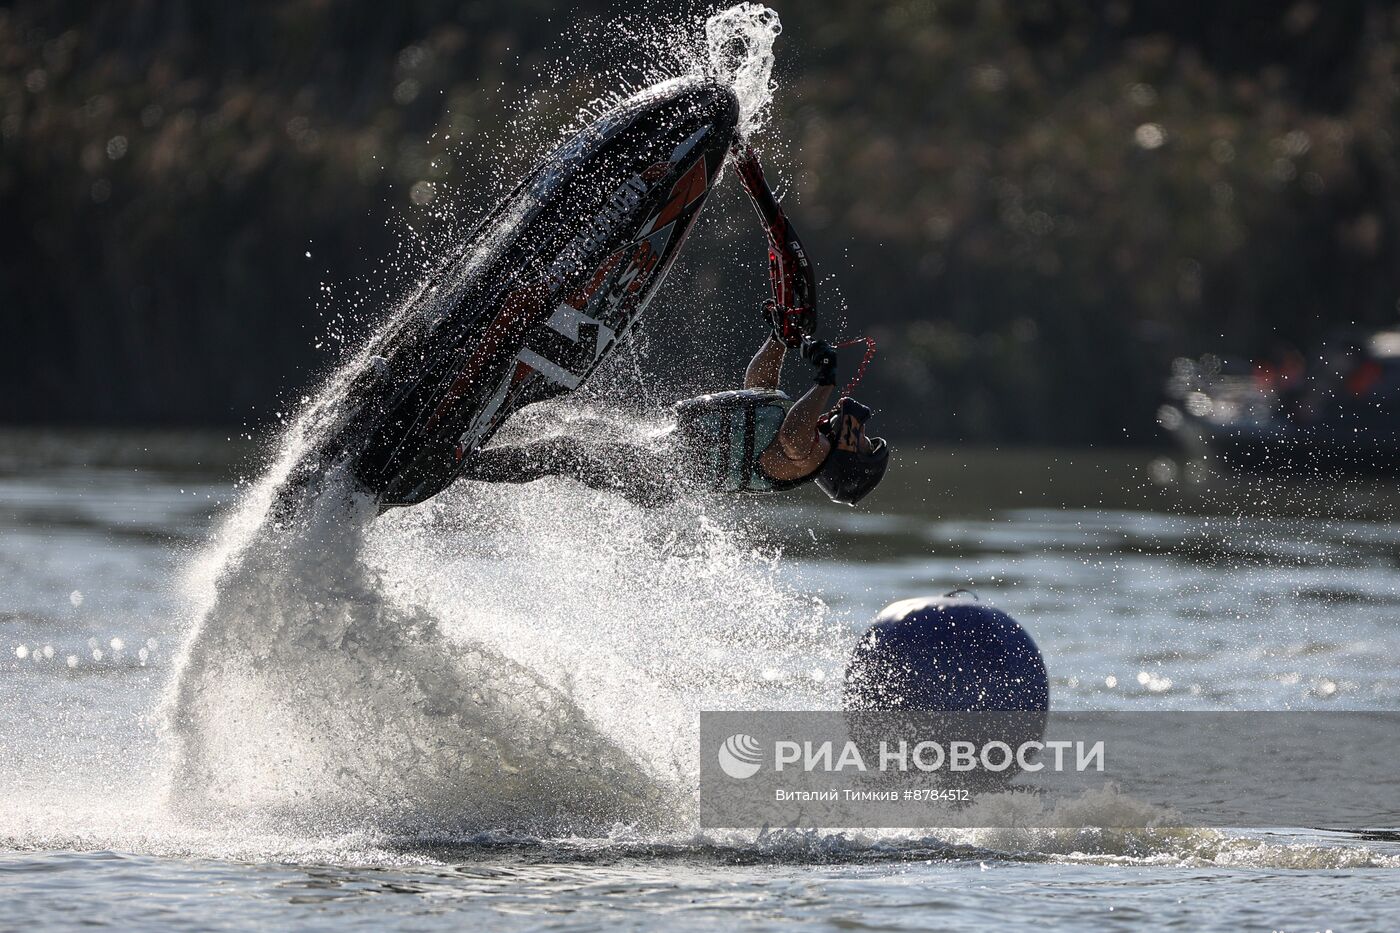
633, 471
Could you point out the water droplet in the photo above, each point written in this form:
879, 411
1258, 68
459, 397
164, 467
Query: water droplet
1150, 136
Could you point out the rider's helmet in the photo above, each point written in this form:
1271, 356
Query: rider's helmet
857, 462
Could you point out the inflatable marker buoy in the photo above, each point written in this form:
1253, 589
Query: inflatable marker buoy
946, 654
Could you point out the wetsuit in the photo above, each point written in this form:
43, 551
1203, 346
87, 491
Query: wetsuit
716, 445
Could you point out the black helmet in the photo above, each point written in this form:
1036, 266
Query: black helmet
848, 475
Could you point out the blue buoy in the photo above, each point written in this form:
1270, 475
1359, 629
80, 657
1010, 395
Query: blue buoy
946, 654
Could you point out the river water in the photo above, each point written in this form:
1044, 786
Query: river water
259, 805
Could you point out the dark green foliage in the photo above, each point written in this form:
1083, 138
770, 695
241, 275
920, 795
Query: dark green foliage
1032, 205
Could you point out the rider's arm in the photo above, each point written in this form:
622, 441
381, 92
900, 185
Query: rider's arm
766, 366
798, 434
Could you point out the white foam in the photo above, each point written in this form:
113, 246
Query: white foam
500, 657
739, 42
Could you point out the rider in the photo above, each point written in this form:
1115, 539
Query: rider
753, 439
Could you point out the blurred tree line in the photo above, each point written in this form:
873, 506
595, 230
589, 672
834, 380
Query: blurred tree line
1033, 206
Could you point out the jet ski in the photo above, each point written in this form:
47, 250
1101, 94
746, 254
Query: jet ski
533, 300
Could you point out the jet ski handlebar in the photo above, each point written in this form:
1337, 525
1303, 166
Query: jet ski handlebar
793, 308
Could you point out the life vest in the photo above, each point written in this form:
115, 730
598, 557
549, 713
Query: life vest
725, 433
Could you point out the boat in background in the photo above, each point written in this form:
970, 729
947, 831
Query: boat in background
1337, 413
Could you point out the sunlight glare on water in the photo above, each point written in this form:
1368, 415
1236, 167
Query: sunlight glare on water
376, 673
